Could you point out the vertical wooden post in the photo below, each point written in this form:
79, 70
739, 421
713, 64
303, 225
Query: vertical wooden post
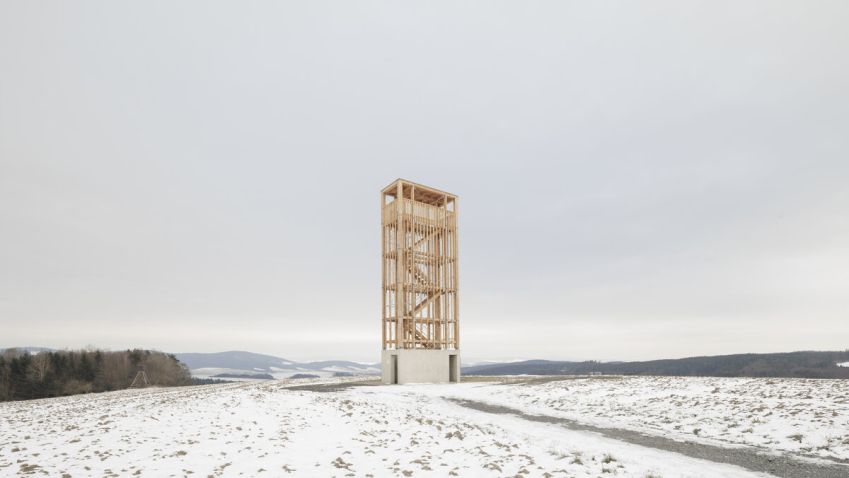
399, 262
410, 264
456, 278
383, 239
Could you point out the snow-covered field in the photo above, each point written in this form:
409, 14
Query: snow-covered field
266, 429
282, 373
241, 375
798, 415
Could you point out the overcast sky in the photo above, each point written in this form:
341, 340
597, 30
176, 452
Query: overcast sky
637, 179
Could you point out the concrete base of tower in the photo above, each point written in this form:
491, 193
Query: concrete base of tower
420, 366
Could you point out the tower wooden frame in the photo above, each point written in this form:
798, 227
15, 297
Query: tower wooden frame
420, 284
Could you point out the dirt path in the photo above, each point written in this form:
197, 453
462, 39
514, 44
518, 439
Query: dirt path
783, 466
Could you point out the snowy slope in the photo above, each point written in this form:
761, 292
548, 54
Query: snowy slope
265, 429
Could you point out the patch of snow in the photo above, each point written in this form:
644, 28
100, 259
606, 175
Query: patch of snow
337, 368
211, 372
278, 369
208, 372
476, 362
843, 364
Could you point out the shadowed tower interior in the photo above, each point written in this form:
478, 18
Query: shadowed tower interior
420, 319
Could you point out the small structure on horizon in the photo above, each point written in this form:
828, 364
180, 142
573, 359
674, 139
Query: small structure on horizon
141, 380
420, 319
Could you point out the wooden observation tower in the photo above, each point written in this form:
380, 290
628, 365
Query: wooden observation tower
420, 319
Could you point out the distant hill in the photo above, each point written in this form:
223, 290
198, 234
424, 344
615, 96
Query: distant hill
792, 364
32, 350
240, 363
250, 376
235, 360
806, 364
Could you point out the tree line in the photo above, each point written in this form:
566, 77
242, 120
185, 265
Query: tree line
57, 373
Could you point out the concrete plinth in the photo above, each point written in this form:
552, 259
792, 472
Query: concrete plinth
420, 366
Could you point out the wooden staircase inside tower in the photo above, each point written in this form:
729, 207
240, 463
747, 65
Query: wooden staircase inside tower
433, 293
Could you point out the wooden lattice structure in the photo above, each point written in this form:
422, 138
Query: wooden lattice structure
141, 379
420, 270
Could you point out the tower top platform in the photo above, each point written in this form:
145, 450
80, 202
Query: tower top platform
418, 192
